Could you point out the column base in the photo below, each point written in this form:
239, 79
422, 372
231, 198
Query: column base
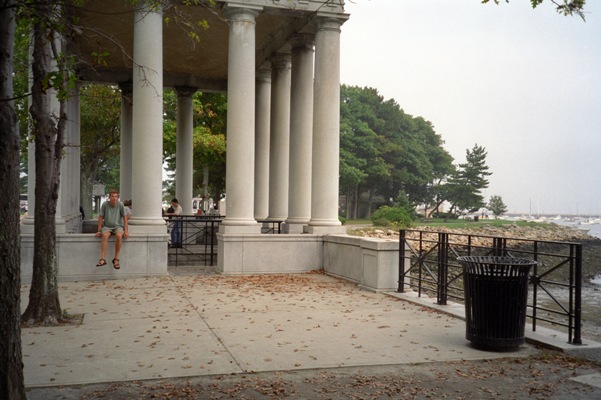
242, 229
288, 227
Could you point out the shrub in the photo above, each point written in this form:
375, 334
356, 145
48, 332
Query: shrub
342, 220
445, 215
391, 217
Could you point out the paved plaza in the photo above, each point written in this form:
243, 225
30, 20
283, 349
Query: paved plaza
202, 324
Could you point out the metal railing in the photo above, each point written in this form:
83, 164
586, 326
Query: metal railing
271, 226
428, 264
198, 239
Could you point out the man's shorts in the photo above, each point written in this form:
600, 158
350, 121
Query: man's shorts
113, 231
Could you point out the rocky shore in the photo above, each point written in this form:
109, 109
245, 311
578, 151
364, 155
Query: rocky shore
551, 232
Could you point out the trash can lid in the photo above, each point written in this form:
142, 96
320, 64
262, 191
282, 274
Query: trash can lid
497, 260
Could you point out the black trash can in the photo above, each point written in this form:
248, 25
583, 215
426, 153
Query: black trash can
496, 297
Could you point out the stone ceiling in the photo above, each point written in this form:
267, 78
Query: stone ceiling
107, 27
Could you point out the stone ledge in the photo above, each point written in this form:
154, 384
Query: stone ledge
77, 254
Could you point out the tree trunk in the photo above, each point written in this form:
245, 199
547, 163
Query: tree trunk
11, 358
44, 306
370, 202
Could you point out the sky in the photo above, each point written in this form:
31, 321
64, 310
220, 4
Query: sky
523, 83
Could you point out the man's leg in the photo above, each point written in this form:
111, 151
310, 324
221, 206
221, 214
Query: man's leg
105, 240
118, 238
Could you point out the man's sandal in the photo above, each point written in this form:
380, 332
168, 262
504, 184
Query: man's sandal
116, 263
101, 262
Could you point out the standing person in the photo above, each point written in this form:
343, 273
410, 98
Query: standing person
127, 204
112, 220
176, 232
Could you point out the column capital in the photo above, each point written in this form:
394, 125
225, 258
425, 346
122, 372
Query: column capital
263, 74
302, 40
241, 12
126, 90
184, 91
126, 87
280, 61
330, 22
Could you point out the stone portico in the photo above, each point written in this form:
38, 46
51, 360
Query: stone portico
279, 63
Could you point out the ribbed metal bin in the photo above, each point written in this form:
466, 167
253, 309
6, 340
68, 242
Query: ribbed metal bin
496, 296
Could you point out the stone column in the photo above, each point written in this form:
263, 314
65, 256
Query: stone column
147, 121
326, 127
301, 130
279, 143
262, 117
184, 150
125, 181
240, 157
74, 162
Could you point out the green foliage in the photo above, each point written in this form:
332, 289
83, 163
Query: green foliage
342, 220
392, 216
444, 215
464, 187
496, 205
209, 140
565, 7
384, 151
100, 135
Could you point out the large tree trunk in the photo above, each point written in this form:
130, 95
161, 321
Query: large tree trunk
11, 359
44, 306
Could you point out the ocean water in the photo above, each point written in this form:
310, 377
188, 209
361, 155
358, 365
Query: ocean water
591, 290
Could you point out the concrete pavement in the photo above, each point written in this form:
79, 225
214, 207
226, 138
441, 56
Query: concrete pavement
203, 324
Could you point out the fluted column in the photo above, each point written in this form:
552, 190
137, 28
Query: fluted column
301, 130
262, 118
240, 157
184, 152
326, 126
74, 162
147, 121
279, 143
125, 184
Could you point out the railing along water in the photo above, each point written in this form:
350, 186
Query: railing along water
428, 264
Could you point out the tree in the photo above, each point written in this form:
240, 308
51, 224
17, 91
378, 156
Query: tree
48, 130
100, 138
565, 7
464, 186
209, 142
11, 364
384, 151
496, 205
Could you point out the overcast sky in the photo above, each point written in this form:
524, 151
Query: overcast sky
523, 83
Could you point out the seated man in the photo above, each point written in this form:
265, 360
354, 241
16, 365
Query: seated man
111, 220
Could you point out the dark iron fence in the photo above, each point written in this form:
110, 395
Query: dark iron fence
271, 226
428, 265
198, 239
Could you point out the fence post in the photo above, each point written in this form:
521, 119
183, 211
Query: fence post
578, 296
443, 266
401, 287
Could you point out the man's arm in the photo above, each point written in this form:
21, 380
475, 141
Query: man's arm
100, 223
